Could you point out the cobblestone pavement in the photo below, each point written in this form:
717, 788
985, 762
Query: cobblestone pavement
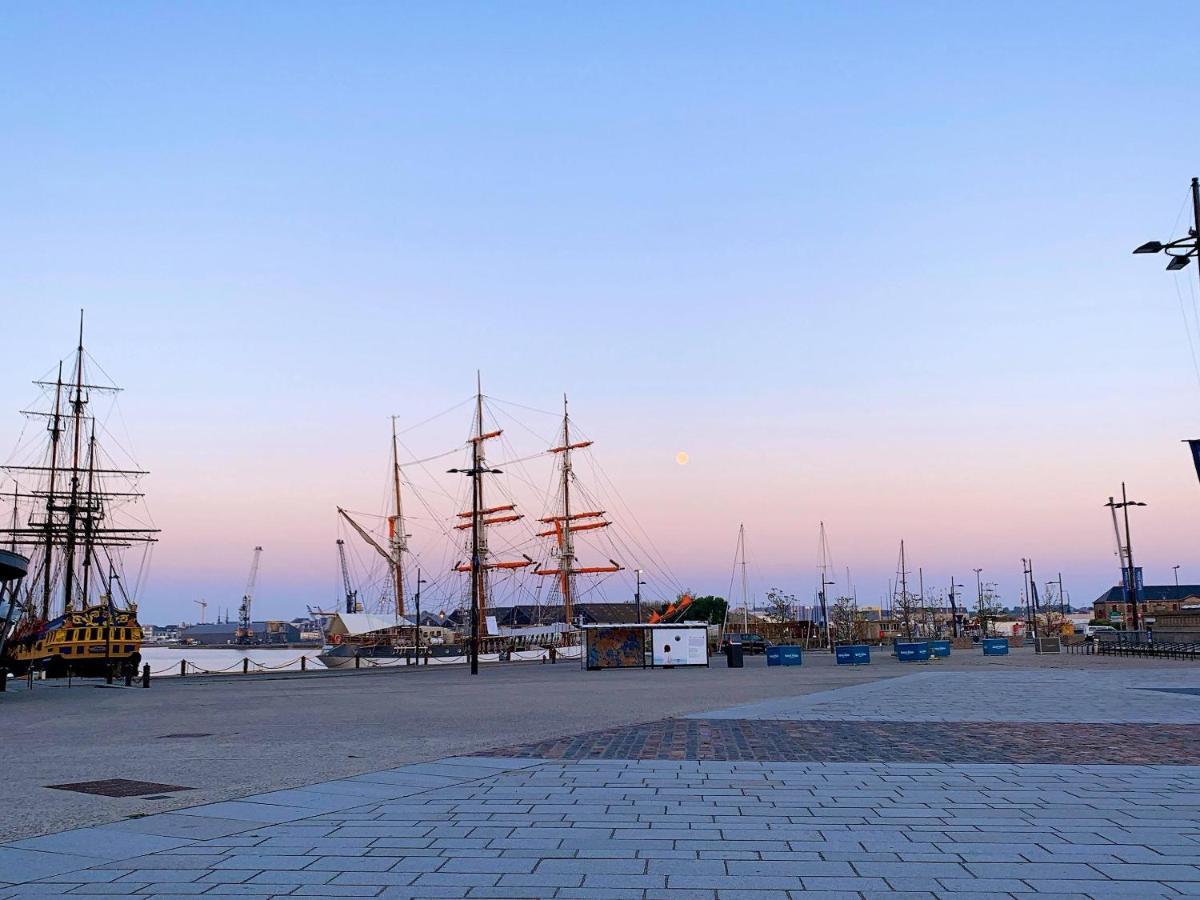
857, 741
1054, 693
878, 808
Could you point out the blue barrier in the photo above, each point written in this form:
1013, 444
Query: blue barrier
995, 646
917, 651
774, 658
940, 649
789, 655
853, 655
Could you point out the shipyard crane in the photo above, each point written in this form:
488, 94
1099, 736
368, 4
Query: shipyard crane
245, 634
351, 594
203, 604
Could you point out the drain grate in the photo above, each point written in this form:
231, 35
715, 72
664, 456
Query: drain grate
119, 787
186, 734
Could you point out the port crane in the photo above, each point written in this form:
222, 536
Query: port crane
203, 604
351, 594
245, 634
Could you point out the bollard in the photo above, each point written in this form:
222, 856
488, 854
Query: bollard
246, 666
303, 663
182, 667
146, 675
356, 660
127, 669
108, 673
3, 679
31, 678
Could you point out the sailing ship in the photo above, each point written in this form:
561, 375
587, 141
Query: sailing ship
74, 513
354, 636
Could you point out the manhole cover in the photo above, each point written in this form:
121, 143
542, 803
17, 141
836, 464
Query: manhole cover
119, 787
186, 734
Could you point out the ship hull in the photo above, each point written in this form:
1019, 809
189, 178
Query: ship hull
87, 642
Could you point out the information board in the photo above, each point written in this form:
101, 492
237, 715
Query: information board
679, 646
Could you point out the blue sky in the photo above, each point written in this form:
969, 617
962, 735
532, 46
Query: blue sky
866, 263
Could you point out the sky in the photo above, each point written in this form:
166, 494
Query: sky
866, 264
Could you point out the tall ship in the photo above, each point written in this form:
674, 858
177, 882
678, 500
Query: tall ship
76, 512
547, 552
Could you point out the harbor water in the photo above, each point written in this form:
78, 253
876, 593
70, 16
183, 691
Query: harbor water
165, 662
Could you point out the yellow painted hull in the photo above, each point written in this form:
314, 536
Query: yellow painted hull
80, 642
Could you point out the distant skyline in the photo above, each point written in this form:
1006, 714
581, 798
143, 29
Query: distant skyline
864, 264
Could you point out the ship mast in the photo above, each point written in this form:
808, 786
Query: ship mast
396, 535
55, 436
567, 523
481, 517
77, 404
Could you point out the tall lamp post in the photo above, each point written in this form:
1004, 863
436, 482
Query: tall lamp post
637, 593
1131, 571
979, 600
953, 610
417, 600
474, 474
1176, 568
825, 613
1181, 250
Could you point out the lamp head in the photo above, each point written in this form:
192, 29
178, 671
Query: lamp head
1177, 263
1150, 247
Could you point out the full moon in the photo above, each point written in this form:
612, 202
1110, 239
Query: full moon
681, 458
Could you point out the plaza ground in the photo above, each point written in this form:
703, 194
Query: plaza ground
1067, 775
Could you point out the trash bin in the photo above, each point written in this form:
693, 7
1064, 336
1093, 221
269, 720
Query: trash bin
733, 656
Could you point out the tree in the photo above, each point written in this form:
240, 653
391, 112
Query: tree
989, 608
707, 609
908, 608
780, 606
843, 618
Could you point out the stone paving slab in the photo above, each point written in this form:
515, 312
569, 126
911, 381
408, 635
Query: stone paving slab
691, 828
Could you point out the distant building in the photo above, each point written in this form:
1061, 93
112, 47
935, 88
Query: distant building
1112, 607
221, 633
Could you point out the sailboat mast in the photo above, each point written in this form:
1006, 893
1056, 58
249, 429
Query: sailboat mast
566, 557
77, 404
745, 583
397, 527
55, 436
904, 607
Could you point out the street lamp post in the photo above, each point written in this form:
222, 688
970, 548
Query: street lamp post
1131, 571
979, 598
1176, 568
1181, 250
417, 600
474, 474
953, 610
825, 613
637, 593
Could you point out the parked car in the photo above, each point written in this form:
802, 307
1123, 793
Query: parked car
751, 643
